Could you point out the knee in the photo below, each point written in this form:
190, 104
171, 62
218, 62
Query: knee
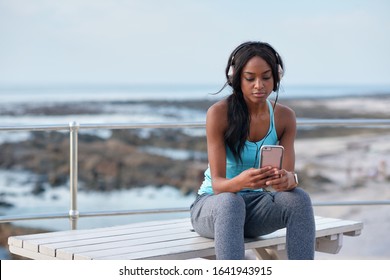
299, 199
231, 203
303, 196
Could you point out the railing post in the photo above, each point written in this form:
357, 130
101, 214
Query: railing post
73, 212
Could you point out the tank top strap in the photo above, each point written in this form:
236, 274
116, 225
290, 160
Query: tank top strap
271, 115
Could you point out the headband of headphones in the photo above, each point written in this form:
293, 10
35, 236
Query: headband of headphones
246, 44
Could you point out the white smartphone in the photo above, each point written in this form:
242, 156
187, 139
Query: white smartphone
271, 155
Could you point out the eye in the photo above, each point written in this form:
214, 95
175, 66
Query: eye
249, 78
267, 77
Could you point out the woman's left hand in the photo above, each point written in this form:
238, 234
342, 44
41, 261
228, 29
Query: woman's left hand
283, 180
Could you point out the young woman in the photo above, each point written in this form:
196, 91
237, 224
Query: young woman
234, 201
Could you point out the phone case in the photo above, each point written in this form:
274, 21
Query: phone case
271, 155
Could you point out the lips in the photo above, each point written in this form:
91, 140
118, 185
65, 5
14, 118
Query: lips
260, 94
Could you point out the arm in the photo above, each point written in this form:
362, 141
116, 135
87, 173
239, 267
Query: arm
216, 125
287, 128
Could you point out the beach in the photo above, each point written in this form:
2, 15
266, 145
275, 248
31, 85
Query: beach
357, 175
334, 164
358, 167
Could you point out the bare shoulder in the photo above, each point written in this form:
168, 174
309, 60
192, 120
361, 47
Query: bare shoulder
218, 110
284, 112
285, 120
217, 115
219, 105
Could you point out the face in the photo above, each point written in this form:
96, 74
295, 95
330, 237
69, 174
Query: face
257, 81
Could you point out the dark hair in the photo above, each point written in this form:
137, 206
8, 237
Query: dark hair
238, 115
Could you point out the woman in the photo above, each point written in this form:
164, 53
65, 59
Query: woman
233, 201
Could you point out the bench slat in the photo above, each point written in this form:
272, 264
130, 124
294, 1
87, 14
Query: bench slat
106, 237
33, 244
184, 243
17, 240
67, 253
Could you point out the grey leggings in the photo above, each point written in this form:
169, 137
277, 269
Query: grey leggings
228, 217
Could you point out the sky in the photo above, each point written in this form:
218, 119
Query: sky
111, 42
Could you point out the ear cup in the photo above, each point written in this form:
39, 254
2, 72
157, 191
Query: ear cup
280, 71
231, 67
230, 73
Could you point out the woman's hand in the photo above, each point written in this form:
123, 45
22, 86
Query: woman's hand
282, 180
255, 178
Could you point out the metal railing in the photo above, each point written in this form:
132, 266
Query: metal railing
73, 215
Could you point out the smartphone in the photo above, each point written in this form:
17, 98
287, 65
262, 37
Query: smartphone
271, 155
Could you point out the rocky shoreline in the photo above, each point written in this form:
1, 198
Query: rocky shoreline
124, 161
107, 164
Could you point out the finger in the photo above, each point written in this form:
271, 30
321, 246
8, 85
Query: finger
265, 169
281, 172
276, 182
272, 173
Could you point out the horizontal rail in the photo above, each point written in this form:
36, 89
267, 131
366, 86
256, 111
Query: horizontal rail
51, 127
300, 122
352, 203
65, 215
103, 126
143, 125
344, 122
15, 218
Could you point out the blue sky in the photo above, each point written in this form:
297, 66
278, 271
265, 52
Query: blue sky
45, 42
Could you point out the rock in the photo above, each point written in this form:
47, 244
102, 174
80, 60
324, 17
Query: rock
38, 188
5, 204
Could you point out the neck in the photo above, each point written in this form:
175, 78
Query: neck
258, 110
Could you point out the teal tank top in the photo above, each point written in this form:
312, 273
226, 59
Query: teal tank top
250, 156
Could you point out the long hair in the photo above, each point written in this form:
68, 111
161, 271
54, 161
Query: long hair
238, 115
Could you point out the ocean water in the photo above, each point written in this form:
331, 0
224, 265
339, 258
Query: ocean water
23, 106
56, 94
118, 104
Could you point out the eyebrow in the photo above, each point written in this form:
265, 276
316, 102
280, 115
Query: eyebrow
251, 73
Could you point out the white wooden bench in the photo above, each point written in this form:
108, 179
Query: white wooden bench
168, 239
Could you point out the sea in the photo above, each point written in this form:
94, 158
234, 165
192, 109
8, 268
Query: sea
30, 105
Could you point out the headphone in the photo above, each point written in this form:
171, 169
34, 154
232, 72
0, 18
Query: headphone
246, 44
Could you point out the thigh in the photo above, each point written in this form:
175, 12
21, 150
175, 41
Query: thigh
208, 208
263, 214
274, 210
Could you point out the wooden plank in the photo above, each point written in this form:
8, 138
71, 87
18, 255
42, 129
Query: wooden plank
68, 253
29, 254
337, 226
166, 248
194, 250
201, 247
53, 247
33, 244
17, 240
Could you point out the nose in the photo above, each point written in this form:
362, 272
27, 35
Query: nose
259, 84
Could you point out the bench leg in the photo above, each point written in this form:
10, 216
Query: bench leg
277, 252
210, 257
330, 244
